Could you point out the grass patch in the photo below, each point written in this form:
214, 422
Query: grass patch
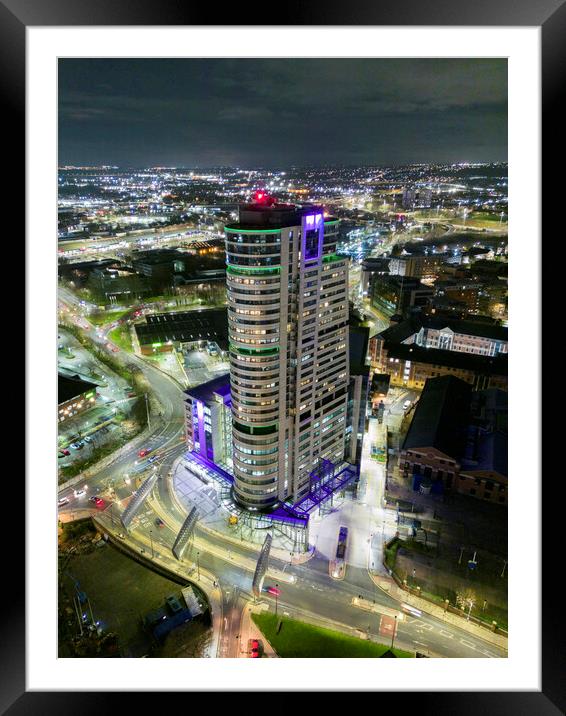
122, 337
100, 318
298, 639
391, 554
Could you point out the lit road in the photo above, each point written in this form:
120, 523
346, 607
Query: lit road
313, 595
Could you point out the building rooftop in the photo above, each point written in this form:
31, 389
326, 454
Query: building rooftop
441, 417
404, 330
267, 213
209, 324
358, 344
71, 387
205, 392
483, 365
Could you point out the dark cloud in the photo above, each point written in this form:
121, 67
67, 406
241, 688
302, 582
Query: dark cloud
278, 112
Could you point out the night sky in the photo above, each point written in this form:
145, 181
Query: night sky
274, 113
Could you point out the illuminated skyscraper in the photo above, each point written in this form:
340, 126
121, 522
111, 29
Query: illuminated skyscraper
288, 332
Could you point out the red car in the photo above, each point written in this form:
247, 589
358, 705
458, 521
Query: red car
144, 452
254, 648
273, 590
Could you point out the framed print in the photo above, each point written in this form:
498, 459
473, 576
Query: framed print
282, 296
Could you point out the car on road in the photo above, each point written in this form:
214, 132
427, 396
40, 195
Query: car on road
159, 522
253, 646
121, 535
411, 610
144, 452
63, 501
76, 446
79, 492
273, 590
153, 458
407, 404
98, 501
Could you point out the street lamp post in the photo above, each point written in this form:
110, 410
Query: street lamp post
198, 567
394, 632
151, 541
276, 596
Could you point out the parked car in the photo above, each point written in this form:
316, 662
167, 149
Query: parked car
159, 522
76, 446
63, 501
253, 645
88, 439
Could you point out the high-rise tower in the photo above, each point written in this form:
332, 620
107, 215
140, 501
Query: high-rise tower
288, 332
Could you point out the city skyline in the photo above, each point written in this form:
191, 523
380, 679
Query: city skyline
282, 357
232, 112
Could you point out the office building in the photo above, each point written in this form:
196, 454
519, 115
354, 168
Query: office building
397, 294
208, 420
358, 393
74, 396
288, 335
425, 347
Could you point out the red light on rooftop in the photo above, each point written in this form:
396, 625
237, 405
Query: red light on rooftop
262, 197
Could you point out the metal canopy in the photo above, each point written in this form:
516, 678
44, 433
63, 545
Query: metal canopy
137, 501
323, 487
184, 534
261, 567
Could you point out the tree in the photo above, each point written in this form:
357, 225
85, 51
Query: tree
466, 599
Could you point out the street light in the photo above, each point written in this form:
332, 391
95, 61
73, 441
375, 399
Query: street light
276, 595
394, 631
151, 541
198, 567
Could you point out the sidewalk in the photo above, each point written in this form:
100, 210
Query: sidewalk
387, 584
280, 554
248, 630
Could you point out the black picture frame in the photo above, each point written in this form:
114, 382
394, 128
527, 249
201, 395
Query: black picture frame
550, 16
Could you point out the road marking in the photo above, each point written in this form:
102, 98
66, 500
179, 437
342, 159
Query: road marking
468, 644
446, 634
